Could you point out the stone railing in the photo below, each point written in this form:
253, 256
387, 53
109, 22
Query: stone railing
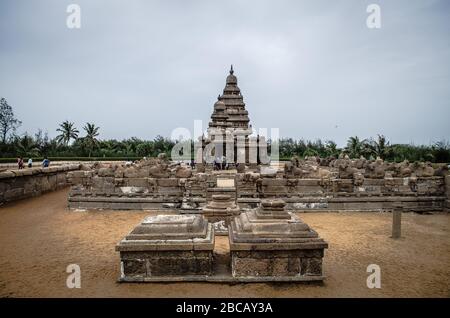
25, 183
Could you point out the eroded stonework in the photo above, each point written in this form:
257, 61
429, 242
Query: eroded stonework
271, 242
304, 184
167, 246
220, 210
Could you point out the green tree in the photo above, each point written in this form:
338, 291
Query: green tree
331, 148
8, 122
90, 141
26, 146
67, 132
441, 151
379, 148
355, 147
144, 149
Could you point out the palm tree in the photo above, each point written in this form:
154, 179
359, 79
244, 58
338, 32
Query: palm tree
26, 146
355, 147
331, 148
67, 132
381, 147
90, 141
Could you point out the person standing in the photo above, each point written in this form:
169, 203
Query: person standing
45, 162
224, 162
20, 163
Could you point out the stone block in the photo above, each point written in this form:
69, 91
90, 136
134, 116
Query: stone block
137, 182
167, 182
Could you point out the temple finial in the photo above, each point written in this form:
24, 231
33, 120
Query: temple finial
231, 69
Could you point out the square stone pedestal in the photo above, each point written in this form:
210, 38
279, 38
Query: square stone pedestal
219, 211
167, 248
271, 244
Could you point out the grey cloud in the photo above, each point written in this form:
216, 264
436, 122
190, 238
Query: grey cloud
311, 68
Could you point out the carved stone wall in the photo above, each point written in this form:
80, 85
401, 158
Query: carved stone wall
158, 185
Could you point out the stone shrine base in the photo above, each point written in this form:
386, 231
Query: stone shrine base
222, 273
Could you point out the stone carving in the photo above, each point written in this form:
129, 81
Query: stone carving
240, 168
375, 170
423, 169
183, 172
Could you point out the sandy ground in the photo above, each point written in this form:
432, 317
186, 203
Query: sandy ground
39, 237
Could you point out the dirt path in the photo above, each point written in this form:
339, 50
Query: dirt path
39, 237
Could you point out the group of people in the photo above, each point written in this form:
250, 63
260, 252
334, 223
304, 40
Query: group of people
21, 165
220, 163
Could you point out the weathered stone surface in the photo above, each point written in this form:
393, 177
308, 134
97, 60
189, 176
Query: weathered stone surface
221, 208
240, 167
314, 188
269, 241
30, 182
168, 245
183, 172
268, 172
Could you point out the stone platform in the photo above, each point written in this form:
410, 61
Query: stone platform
267, 244
271, 242
167, 247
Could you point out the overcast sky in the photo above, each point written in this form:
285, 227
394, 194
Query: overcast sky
311, 68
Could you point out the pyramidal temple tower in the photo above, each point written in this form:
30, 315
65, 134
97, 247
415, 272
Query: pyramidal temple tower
229, 110
229, 128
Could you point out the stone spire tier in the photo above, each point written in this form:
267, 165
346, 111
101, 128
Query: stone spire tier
222, 206
271, 223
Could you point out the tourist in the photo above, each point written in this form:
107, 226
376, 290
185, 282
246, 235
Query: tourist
217, 163
192, 164
30, 163
224, 162
20, 162
45, 162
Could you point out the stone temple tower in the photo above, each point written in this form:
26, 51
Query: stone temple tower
230, 121
229, 110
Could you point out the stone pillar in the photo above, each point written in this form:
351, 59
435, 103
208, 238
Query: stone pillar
397, 221
447, 192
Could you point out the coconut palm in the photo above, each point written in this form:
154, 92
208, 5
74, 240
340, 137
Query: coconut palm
355, 147
26, 146
90, 140
67, 132
331, 148
381, 147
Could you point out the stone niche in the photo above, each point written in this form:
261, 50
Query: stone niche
167, 248
271, 244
